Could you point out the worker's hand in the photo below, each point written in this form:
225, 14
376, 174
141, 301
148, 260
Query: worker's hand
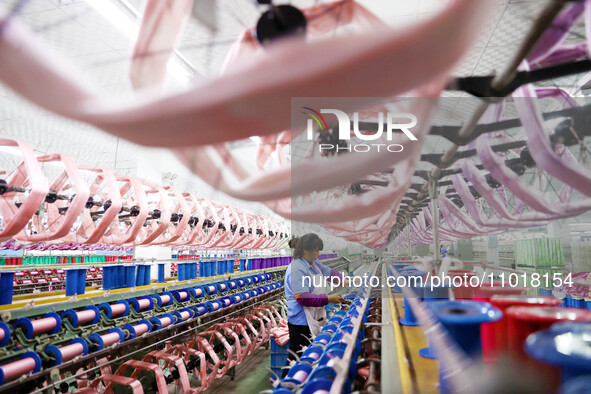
336, 298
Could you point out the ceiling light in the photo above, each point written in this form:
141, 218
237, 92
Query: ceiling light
130, 29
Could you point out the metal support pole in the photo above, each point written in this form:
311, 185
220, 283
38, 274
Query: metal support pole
408, 235
433, 193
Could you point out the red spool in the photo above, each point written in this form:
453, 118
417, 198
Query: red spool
503, 302
523, 321
487, 330
464, 291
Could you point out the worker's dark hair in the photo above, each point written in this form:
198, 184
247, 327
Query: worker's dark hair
309, 242
292, 242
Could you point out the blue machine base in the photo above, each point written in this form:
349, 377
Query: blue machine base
405, 322
427, 352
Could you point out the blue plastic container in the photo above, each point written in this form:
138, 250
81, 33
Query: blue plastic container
129, 275
6, 287
278, 357
147, 273
161, 272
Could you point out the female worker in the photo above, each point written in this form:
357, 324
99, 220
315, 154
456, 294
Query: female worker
299, 290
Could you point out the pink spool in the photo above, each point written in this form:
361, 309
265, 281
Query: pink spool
86, 316
321, 392
315, 356
43, 325
185, 315
301, 376
19, 274
199, 292
183, 295
223, 286
140, 329
144, 303
110, 339
215, 306
165, 321
18, 368
118, 309
211, 288
27, 282
70, 351
226, 302
165, 299
1, 335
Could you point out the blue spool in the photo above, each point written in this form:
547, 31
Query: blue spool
307, 368
226, 304
6, 287
242, 265
157, 321
253, 293
570, 353
245, 295
200, 265
462, 320
129, 275
282, 390
32, 355
324, 372
72, 315
192, 292
131, 329
214, 305
249, 281
313, 350
322, 339
433, 294
55, 352
161, 267
241, 282
588, 305
223, 286
211, 288
200, 309
236, 298
249, 265
5, 328
329, 355
98, 340
233, 284
27, 326
199, 291
230, 266
580, 385
178, 294
157, 300
106, 308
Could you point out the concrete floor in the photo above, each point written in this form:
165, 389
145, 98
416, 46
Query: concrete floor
252, 376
